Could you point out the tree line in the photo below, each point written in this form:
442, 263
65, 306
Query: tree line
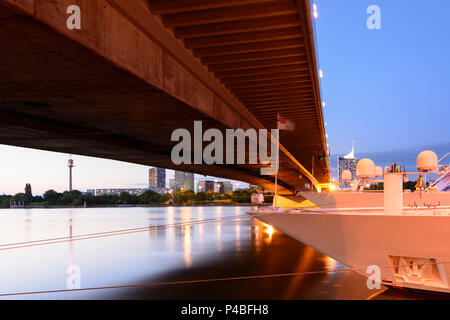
238, 196
149, 197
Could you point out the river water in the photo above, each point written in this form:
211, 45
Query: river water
163, 253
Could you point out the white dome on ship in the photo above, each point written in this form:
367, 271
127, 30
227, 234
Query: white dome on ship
366, 168
427, 161
379, 172
346, 175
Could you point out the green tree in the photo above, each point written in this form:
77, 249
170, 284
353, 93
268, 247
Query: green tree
77, 202
52, 197
210, 196
151, 197
268, 198
38, 199
28, 194
184, 196
19, 197
5, 201
69, 197
125, 197
242, 196
200, 196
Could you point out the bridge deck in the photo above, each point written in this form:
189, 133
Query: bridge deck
114, 90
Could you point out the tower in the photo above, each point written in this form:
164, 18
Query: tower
188, 181
347, 162
179, 180
184, 180
152, 178
70, 165
157, 179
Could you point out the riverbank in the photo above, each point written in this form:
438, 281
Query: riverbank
77, 199
141, 206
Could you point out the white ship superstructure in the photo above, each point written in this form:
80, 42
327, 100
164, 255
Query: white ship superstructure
405, 235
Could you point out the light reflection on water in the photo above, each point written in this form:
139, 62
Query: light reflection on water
220, 249
268, 230
187, 246
171, 232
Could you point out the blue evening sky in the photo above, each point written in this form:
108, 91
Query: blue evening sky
385, 89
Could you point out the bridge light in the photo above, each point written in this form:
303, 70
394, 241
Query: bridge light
323, 104
320, 74
315, 12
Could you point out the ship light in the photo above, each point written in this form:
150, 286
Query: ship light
331, 186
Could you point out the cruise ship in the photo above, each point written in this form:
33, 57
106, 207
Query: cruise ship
405, 235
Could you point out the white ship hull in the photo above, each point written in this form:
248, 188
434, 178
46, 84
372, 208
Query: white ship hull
412, 250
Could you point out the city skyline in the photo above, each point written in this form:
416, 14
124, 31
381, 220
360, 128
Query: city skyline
334, 113
88, 173
394, 95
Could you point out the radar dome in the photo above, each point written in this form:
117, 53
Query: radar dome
379, 172
346, 175
427, 161
366, 168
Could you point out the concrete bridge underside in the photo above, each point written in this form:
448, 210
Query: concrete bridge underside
118, 87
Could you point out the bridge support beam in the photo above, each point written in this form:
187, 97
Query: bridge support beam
119, 78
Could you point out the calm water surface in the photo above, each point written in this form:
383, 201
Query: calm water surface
163, 245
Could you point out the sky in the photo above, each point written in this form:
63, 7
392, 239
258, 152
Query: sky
389, 88
385, 89
48, 170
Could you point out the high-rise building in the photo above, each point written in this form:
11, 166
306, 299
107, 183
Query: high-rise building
112, 191
227, 186
188, 181
214, 186
218, 187
184, 180
179, 180
254, 187
347, 162
157, 179
161, 179
152, 178
172, 184
205, 186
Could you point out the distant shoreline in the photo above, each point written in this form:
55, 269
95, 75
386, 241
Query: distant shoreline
142, 206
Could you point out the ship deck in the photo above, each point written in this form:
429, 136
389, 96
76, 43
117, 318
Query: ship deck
419, 211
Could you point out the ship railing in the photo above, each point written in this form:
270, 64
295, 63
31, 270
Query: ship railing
443, 181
